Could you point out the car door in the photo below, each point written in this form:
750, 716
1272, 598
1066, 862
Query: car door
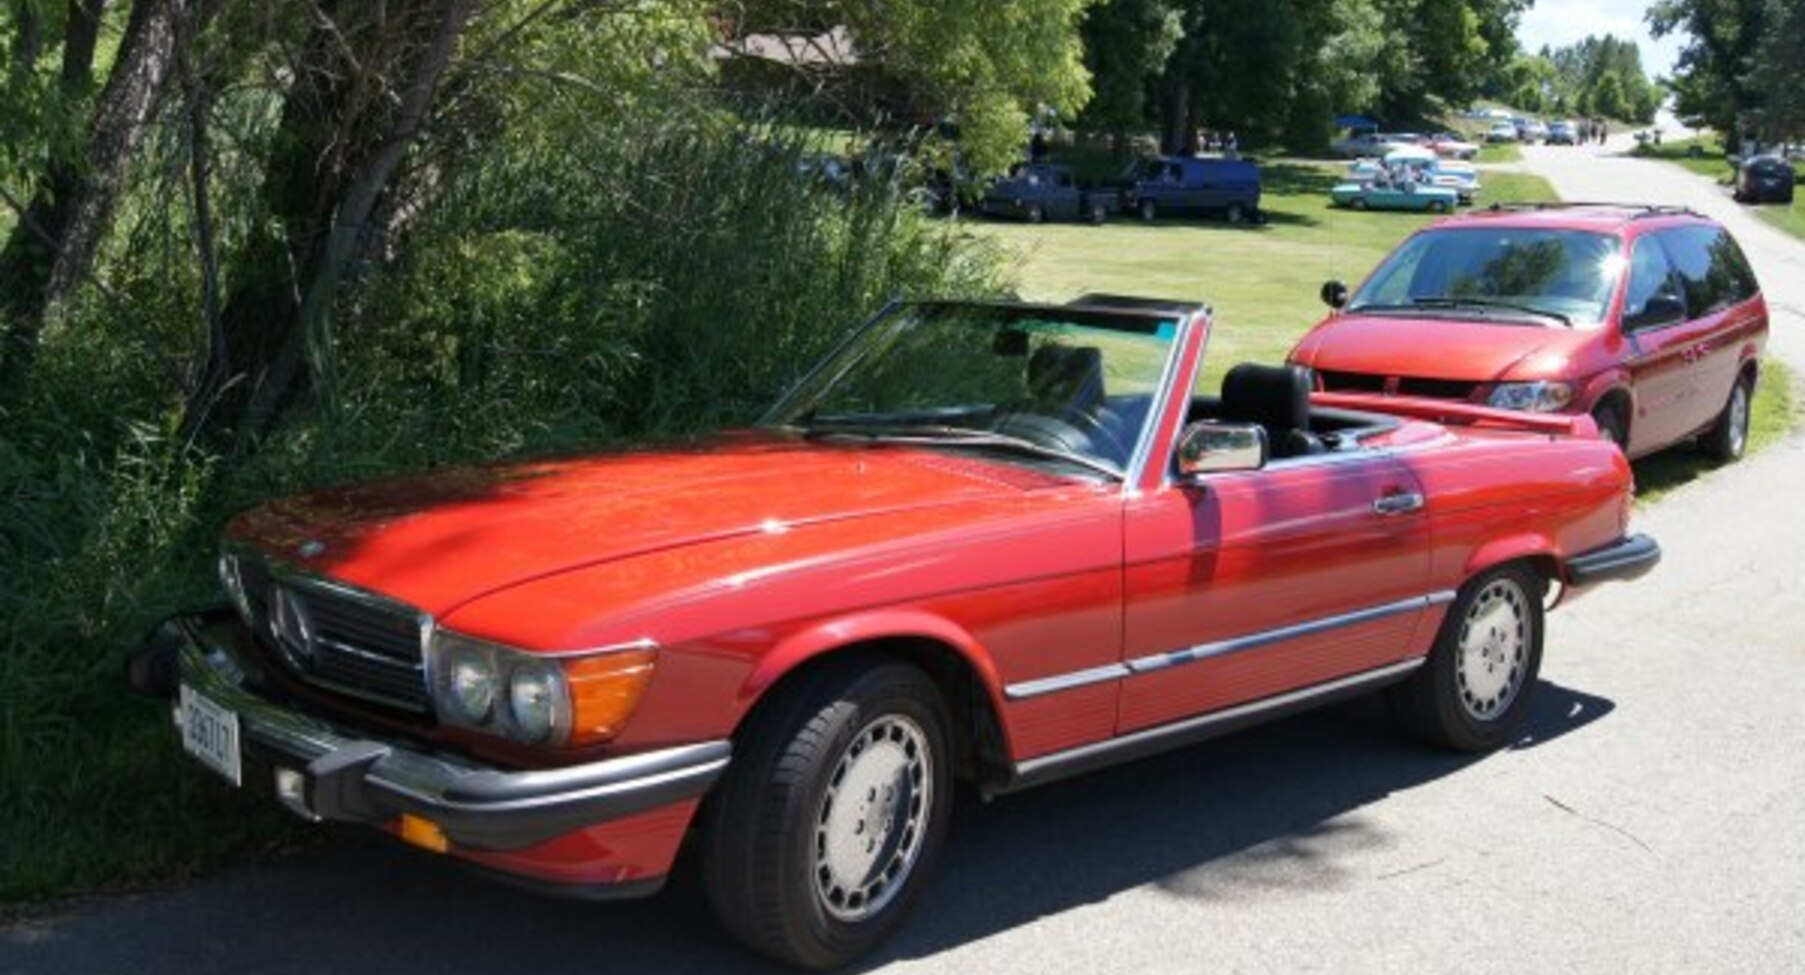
1065, 195
1719, 289
1250, 584
1661, 342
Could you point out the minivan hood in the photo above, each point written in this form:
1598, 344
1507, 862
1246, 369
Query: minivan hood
1439, 348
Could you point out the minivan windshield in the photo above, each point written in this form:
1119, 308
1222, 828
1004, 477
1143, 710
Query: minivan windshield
1539, 275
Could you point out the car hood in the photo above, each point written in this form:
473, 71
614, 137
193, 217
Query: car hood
1438, 348
441, 539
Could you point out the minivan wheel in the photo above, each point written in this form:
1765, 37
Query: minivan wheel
1148, 210
1234, 213
1728, 437
832, 814
1609, 419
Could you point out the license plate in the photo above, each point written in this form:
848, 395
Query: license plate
210, 734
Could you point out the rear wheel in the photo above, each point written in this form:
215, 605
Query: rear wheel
1475, 688
1036, 214
1357, 203
1234, 213
1438, 206
1728, 437
1098, 213
832, 814
1148, 210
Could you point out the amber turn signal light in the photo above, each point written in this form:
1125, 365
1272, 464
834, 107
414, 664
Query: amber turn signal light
424, 833
604, 691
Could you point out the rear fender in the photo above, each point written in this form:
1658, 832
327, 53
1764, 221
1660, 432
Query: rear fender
1511, 548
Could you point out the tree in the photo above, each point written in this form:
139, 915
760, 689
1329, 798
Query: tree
1712, 78
1126, 46
1780, 72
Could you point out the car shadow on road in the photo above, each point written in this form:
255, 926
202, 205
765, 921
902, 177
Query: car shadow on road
1269, 807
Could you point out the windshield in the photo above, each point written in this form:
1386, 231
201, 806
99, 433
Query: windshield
1065, 386
1562, 277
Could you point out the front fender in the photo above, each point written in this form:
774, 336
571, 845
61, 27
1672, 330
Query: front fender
886, 624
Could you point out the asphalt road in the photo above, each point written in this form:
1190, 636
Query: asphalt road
1651, 820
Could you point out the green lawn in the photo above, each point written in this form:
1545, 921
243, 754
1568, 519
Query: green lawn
1790, 219
1500, 152
1262, 282
1703, 155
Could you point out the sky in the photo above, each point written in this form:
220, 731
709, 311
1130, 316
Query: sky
1558, 23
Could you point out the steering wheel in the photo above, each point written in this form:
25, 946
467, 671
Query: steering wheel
1073, 430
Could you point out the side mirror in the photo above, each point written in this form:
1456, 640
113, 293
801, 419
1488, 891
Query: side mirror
1206, 447
1665, 308
1334, 294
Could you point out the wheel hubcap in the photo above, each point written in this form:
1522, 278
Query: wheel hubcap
873, 818
1494, 650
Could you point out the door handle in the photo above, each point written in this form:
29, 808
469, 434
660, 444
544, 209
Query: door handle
1402, 502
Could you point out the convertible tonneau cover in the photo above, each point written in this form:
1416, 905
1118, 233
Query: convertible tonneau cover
1460, 414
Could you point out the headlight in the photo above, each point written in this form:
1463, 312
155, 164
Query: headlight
233, 583
1536, 397
537, 699
575, 699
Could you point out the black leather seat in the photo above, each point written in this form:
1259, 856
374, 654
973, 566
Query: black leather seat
1278, 399
1067, 376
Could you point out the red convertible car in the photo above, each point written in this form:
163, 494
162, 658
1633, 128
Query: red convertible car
988, 543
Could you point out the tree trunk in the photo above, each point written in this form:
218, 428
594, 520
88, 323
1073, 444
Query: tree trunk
345, 132
52, 247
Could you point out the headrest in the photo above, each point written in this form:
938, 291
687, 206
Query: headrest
1275, 397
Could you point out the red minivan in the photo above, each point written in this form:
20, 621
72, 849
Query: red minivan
1648, 318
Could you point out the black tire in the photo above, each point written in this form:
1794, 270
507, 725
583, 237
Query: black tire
1234, 213
1438, 206
1036, 215
1611, 425
1357, 203
1148, 210
1476, 687
1098, 214
767, 828
1728, 437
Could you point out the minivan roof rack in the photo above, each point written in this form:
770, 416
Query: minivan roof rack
1638, 211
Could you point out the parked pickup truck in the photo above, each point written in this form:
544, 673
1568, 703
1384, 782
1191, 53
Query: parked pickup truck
1043, 191
1173, 186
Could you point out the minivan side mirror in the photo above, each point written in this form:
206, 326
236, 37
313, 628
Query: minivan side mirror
1334, 294
1665, 308
1208, 447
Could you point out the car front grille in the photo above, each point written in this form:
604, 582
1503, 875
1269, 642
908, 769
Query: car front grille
1366, 382
336, 636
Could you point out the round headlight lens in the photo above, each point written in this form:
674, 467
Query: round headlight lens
536, 699
470, 682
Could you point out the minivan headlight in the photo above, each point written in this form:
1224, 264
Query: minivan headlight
1536, 397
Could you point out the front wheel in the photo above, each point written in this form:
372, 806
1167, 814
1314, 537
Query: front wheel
1474, 690
832, 814
1148, 210
1728, 437
1234, 213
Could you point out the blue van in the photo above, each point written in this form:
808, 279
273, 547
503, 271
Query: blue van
1181, 185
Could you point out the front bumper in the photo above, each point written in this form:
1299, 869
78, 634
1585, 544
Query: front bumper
1624, 559
348, 777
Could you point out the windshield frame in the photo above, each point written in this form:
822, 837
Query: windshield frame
1144, 319
1445, 306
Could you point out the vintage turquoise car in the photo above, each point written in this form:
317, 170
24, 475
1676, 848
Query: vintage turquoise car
1425, 167
1388, 194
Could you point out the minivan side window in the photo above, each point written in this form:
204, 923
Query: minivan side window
1713, 272
1650, 275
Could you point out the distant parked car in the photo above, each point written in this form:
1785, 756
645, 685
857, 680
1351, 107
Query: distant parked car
1765, 179
1426, 167
1563, 133
1501, 132
1449, 145
1647, 318
1181, 185
1394, 189
1042, 191
1374, 144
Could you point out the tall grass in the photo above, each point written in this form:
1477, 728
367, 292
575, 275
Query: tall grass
581, 287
